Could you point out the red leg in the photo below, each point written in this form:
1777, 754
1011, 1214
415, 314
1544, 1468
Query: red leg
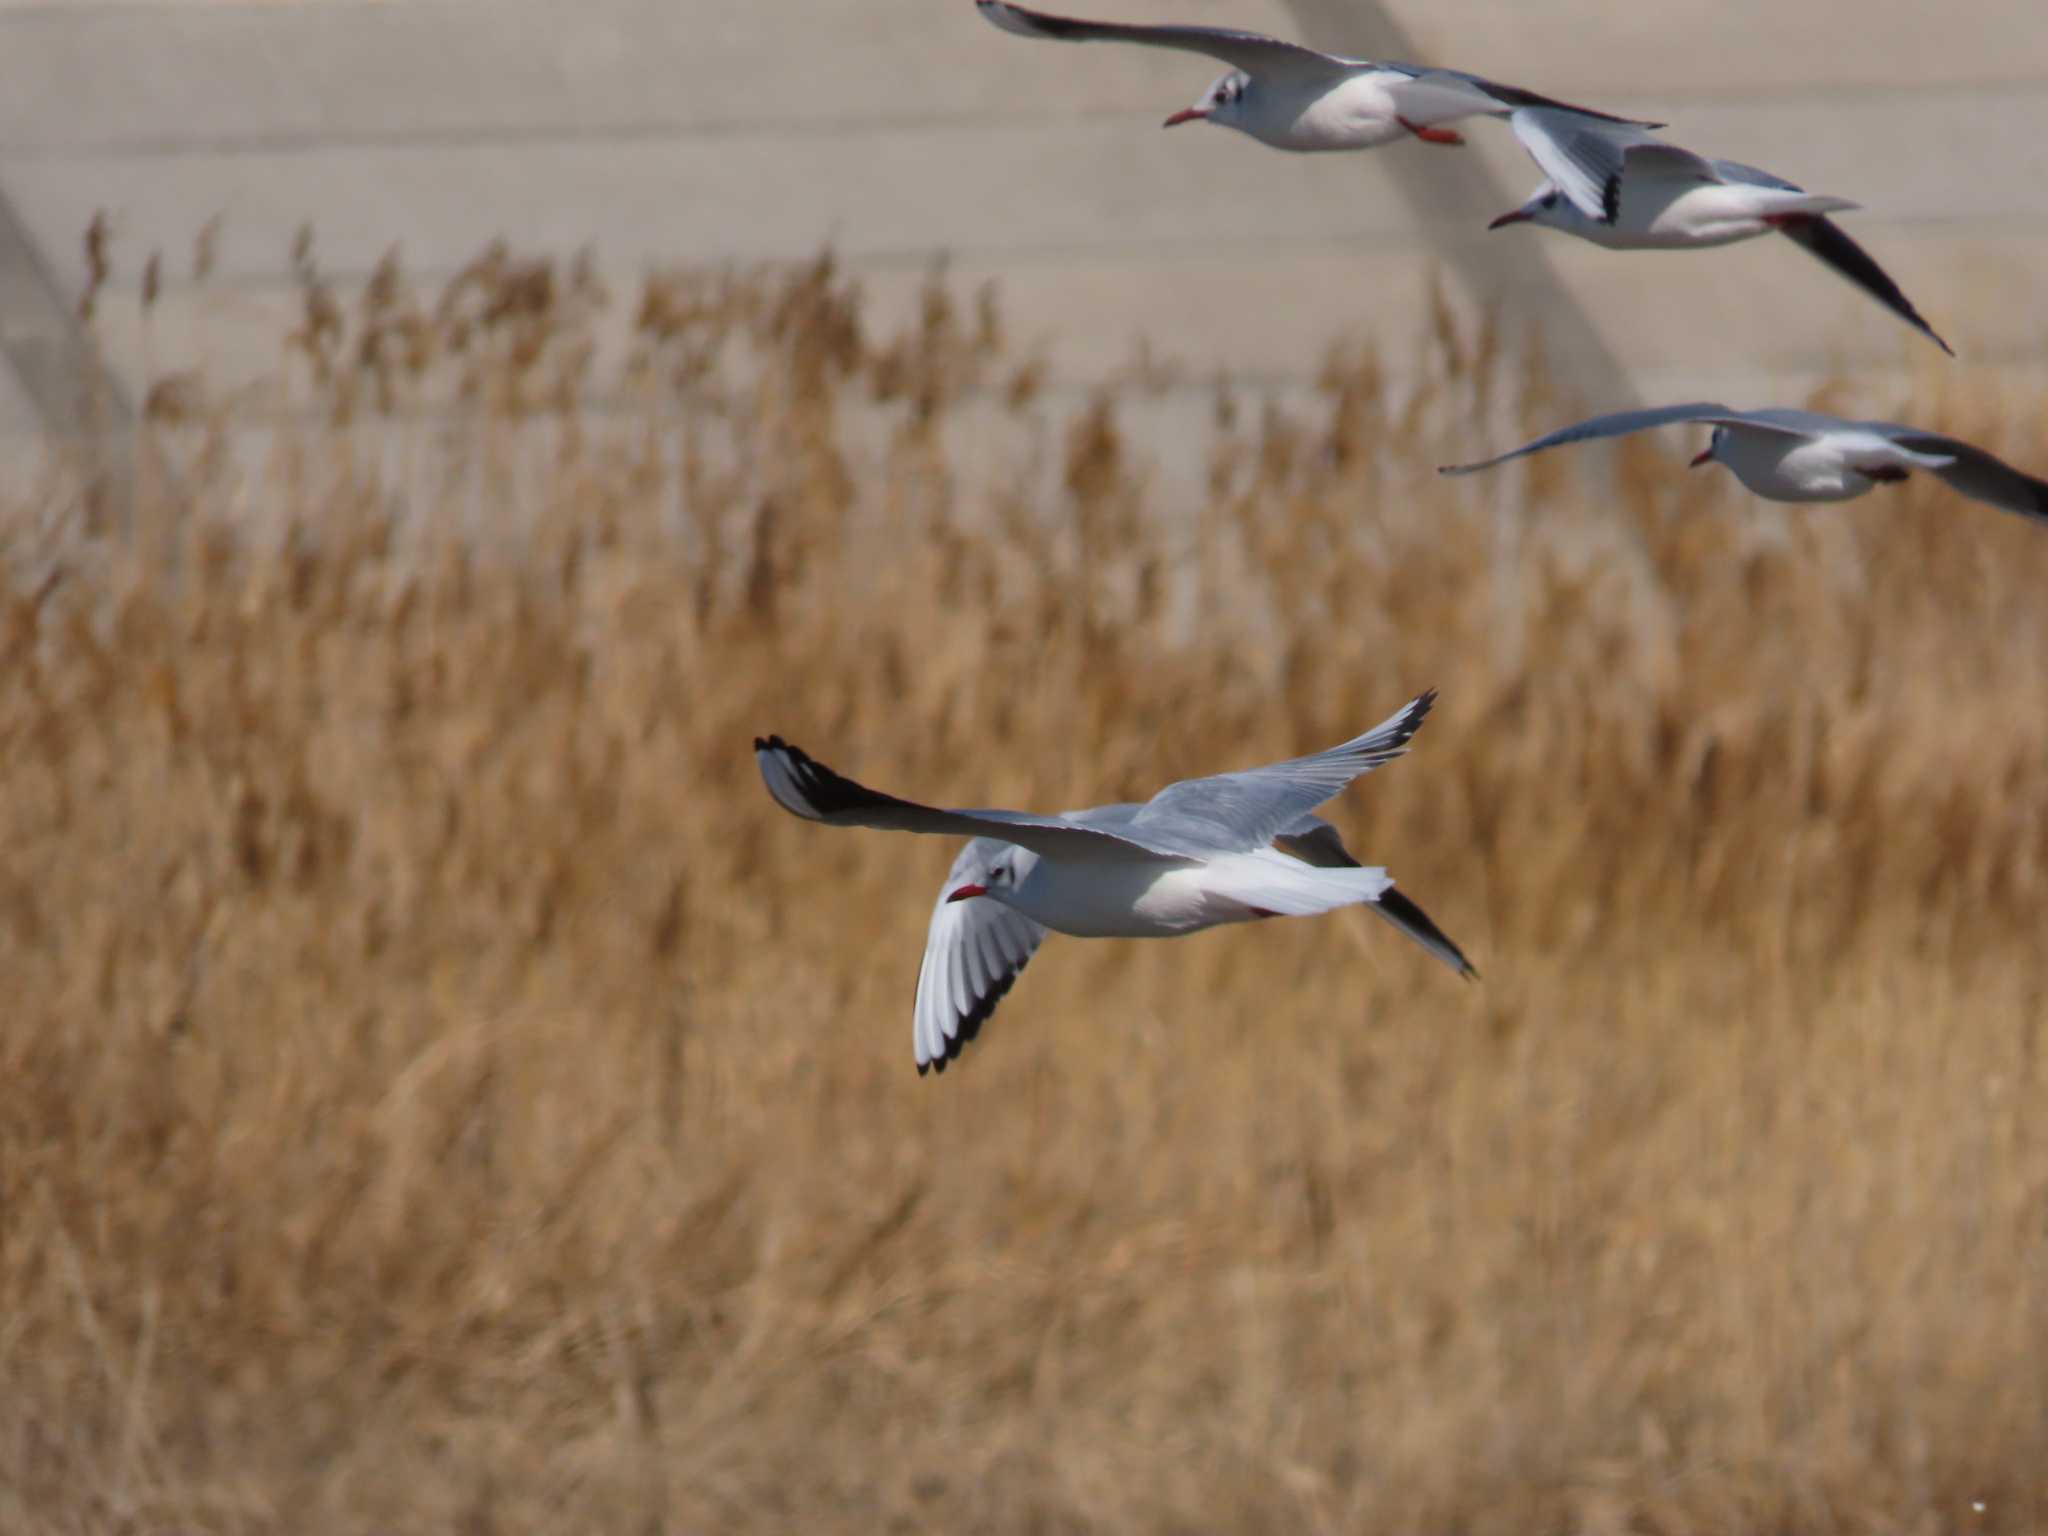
1432, 135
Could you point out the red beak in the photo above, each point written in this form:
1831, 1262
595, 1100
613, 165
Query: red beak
966, 891
1185, 115
1512, 216
1704, 457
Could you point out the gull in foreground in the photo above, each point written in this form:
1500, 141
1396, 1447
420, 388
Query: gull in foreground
1619, 186
1292, 97
1804, 456
1198, 853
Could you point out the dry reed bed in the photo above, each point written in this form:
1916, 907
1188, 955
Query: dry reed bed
442, 1089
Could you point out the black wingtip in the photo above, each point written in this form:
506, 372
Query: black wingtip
1391, 736
1416, 923
1515, 96
1022, 21
824, 793
1914, 318
1610, 199
968, 1026
1824, 238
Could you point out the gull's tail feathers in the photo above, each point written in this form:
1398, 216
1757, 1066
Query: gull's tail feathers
1270, 882
1790, 203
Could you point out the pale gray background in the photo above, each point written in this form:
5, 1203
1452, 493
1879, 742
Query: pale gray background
657, 131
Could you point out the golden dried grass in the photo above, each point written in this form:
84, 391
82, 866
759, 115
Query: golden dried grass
442, 1090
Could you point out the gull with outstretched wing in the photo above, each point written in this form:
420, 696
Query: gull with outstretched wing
1620, 186
1197, 854
1788, 455
1291, 97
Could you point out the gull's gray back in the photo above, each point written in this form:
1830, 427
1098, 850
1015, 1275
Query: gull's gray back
1239, 812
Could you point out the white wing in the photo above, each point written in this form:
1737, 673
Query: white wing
972, 953
805, 787
1238, 812
1267, 57
1584, 156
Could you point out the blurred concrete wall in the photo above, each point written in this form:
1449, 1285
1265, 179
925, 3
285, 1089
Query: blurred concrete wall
703, 130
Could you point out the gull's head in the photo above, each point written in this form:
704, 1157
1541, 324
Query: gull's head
1712, 451
998, 877
1548, 206
1222, 103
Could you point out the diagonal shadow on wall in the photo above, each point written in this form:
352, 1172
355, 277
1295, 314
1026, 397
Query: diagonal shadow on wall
1469, 193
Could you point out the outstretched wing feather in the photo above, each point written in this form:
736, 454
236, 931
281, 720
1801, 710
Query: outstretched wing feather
1249, 51
1621, 424
805, 787
1238, 812
1979, 475
1586, 156
1503, 98
1824, 239
974, 951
